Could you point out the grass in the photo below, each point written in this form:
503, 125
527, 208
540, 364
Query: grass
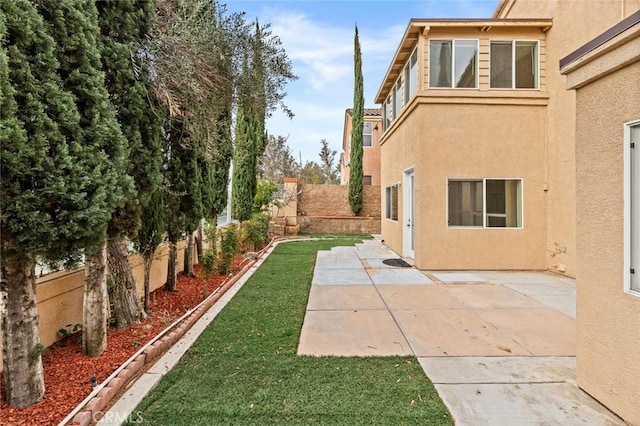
244, 370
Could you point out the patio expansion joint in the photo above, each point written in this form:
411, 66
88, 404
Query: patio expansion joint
395, 320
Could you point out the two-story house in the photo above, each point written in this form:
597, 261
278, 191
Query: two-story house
372, 129
464, 107
477, 149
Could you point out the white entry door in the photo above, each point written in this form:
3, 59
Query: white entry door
408, 235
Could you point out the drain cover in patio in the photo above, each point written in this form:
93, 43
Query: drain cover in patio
396, 262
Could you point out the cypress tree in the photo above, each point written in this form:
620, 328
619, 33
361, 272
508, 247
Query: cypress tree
150, 235
124, 26
174, 179
56, 198
192, 200
184, 199
22, 362
74, 25
243, 172
355, 171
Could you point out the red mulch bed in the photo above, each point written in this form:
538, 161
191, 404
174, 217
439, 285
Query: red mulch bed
67, 372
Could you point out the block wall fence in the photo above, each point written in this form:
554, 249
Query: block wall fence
60, 294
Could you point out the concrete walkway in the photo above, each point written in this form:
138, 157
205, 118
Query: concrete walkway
498, 346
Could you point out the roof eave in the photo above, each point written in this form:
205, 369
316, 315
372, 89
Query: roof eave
417, 26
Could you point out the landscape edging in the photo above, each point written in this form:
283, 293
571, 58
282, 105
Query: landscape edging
104, 397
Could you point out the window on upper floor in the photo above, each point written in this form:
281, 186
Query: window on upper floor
367, 134
514, 64
387, 113
411, 77
366, 180
453, 63
485, 203
397, 98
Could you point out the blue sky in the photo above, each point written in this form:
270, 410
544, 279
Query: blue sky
318, 38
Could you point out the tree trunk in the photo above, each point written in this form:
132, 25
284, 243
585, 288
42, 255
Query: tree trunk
199, 240
188, 257
21, 348
172, 269
96, 303
125, 296
148, 259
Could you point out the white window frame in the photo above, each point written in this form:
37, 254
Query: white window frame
388, 109
453, 62
413, 88
364, 133
513, 65
408, 72
628, 207
388, 199
484, 202
397, 98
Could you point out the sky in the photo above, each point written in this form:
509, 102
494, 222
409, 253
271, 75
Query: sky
318, 38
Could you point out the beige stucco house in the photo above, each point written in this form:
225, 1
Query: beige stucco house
371, 132
477, 150
605, 77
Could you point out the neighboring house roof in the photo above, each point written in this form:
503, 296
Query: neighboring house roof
417, 26
368, 112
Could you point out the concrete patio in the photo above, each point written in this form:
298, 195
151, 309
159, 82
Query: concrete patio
499, 346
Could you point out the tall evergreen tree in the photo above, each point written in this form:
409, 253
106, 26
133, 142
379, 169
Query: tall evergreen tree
355, 170
124, 27
22, 362
74, 25
243, 171
58, 185
150, 236
174, 182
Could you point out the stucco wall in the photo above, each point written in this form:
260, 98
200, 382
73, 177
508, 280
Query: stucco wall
60, 294
608, 318
370, 155
574, 23
441, 140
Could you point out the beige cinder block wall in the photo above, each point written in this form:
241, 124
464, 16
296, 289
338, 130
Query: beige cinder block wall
59, 295
574, 23
608, 317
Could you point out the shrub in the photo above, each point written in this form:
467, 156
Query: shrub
255, 231
266, 191
228, 248
208, 259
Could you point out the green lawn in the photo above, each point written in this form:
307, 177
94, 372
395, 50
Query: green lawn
244, 370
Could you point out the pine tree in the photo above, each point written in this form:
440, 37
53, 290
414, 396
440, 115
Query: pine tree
355, 171
124, 26
74, 26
